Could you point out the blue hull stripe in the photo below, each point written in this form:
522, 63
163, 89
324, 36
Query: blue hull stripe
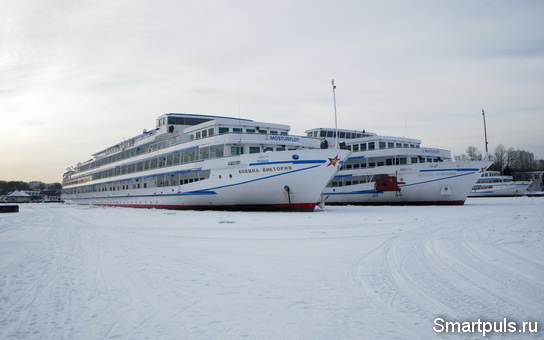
466, 169
209, 191
320, 161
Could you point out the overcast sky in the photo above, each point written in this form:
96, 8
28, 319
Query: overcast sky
79, 76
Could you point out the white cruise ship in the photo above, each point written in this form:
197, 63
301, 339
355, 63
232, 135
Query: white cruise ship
491, 183
396, 170
207, 162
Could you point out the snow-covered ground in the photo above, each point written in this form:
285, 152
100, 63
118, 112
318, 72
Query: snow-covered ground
81, 272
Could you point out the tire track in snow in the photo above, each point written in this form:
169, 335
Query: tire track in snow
43, 280
442, 270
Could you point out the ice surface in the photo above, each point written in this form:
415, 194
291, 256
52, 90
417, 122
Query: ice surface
82, 272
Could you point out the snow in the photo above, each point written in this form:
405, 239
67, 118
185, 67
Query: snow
84, 272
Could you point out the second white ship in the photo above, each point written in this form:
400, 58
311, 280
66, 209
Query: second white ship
396, 170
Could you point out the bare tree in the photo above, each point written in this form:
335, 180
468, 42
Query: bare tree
500, 157
461, 157
473, 153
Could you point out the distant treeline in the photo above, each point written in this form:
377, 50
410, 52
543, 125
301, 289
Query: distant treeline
7, 187
505, 160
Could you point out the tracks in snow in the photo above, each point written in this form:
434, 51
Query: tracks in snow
456, 269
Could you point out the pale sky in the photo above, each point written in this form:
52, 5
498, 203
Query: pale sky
79, 76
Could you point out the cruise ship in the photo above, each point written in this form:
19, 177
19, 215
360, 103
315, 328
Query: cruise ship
205, 162
491, 183
386, 170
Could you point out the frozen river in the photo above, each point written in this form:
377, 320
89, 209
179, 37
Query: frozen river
81, 272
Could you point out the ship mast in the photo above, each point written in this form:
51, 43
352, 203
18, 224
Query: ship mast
335, 116
485, 133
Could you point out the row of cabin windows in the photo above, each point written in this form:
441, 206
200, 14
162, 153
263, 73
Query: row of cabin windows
151, 147
493, 180
380, 145
172, 159
224, 129
344, 181
143, 149
365, 163
143, 183
332, 134
163, 161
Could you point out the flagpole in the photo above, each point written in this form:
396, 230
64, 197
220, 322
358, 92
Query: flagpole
485, 133
335, 116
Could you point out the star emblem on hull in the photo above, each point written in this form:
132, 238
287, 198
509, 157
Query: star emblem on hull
333, 161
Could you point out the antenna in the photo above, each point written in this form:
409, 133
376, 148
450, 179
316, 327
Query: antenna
335, 116
485, 133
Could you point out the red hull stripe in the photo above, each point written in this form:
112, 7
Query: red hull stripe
272, 207
399, 203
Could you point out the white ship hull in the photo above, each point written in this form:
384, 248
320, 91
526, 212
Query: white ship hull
443, 183
500, 189
286, 180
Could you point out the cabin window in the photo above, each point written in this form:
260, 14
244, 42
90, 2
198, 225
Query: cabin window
176, 158
223, 130
198, 135
210, 132
204, 153
204, 133
280, 149
268, 148
237, 130
236, 150
389, 161
402, 160
263, 132
390, 145
189, 156
272, 132
355, 147
250, 130
363, 147
371, 164
254, 149
371, 146
382, 145
216, 151
322, 133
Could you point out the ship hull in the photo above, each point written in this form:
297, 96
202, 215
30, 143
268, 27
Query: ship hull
270, 181
512, 189
442, 183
